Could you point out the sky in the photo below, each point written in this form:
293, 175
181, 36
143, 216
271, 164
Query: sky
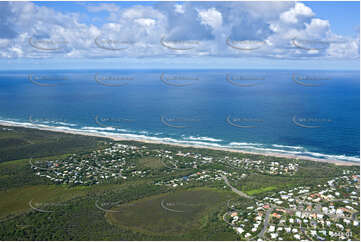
196, 35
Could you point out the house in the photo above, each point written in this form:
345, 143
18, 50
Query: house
346, 221
276, 215
239, 230
340, 226
325, 210
274, 235
271, 228
258, 218
339, 211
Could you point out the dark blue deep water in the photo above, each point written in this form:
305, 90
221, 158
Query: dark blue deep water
313, 113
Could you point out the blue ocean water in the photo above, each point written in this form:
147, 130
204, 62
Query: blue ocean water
309, 113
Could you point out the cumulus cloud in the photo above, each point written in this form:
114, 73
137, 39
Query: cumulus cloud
110, 7
285, 29
298, 11
211, 17
178, 8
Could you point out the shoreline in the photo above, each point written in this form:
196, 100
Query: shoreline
119, 138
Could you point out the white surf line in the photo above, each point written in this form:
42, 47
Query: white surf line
123, 137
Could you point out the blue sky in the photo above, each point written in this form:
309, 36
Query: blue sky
249, 35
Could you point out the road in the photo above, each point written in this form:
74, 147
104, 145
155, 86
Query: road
242, 194
266, 223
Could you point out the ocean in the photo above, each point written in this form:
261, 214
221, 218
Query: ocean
306, 113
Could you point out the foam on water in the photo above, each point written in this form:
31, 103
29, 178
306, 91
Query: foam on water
192, 140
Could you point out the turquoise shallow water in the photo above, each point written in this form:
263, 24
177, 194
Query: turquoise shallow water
312, 113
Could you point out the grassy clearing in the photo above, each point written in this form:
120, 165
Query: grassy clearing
150, 162
15, 201
261, 190
171, 213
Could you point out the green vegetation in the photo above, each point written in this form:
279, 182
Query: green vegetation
261, 190
149, 197
150, 162
169, 213
17, 199
20, 143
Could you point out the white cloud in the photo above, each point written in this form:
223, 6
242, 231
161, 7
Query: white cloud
110, 7
179, 8
145, 21
143, 26
299, 10
211, 17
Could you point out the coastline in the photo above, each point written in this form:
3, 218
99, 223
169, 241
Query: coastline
119, 137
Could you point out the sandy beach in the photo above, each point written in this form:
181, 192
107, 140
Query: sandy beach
119, 137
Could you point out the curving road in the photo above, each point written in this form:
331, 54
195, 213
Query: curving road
242, 194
